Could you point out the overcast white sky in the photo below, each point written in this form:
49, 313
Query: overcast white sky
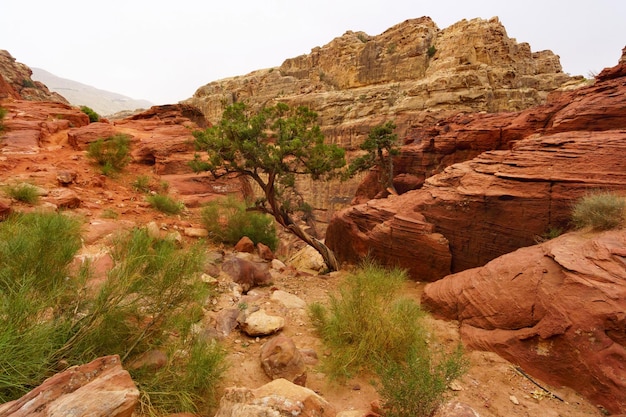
163, 50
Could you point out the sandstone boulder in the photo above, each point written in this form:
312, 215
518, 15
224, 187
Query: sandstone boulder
279, 398
259, 323
248, 274
101, 388
556, 309
280, 358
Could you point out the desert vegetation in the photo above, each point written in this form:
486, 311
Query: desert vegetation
601, 210
272, 147
228, 220
52, 319
24, 192
3, 113
93, 116
111, 154
372, 329
165, 203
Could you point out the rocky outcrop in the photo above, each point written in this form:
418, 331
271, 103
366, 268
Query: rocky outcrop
500, 200
413, 73
277, 398
16, 82
556, 309
410, 72
99, 388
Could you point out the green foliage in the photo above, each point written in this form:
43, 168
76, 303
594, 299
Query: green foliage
431, 51
151, 294
599, 211
367, 321
371, 329
112, 154
186, 384
228, 220
28, 83
380, 147
142, 184
93, 116
109, 214
417, 386
3, 113
166, 204
271, 147
24, 192
35, 252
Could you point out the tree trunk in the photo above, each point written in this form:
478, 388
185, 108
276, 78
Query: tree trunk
327, 254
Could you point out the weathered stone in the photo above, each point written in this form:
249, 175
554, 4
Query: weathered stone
246, 273
196, 232
226, 321
287, 299
245, 245
556, 309
264, 251
152, 359
81, 137
65, 177
259, 323
456, 409
99, 388
280, 358
502, 199
279, 398
65, 198
16, 82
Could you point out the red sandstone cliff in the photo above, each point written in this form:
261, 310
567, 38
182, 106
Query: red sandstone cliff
540, 161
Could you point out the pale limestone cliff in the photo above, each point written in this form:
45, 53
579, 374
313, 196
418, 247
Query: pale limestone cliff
414, 73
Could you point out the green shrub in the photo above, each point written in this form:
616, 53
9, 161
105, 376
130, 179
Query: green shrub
111, 154
35, 253
431, 51
599, 211
3, 113
418, 385
93, 116
228, 220
165, 204
142, 184
367, 320
28, 83
24, 192
369, 328
149, 301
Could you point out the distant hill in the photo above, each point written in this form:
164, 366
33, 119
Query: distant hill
103, 102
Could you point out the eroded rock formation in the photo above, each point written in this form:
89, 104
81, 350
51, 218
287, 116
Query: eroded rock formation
502, 199
16, 82
413, 73
556, 309
99, 388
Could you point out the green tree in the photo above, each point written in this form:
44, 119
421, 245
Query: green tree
381, 147
272, 147
3, 113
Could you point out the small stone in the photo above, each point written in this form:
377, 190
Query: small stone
455, 386
514, 399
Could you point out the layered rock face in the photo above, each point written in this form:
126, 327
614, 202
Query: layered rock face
556, 309
413, 73
16, 82
410, 71
502, 199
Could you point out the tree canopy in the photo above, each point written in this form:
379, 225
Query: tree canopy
272, 147
381, 146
